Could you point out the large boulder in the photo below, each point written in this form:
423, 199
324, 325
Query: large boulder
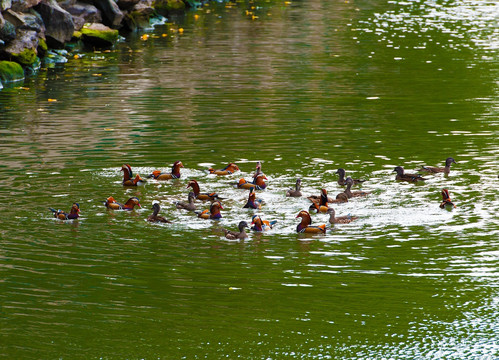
127, 4
10, 71
111, 13
82, 13
23, 49
59, 23
23, 5
99, 36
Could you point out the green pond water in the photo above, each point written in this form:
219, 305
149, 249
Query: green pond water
305, 87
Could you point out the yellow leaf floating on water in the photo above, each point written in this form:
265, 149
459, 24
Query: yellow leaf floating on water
196, 17
181, 30
144, 37
234, 288
96, 74
164, 35
108, 129
51, 100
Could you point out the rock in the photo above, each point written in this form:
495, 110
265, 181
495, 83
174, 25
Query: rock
30, 20
88, 12
167, 6
111, 13
58, 22
5, 4
23, 49
99, 35
7, 30
23, 5
127, 4
10, 71
139, 16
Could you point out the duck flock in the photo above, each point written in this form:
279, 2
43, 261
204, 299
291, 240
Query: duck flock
318, 203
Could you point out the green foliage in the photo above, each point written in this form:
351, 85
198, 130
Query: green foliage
11, 71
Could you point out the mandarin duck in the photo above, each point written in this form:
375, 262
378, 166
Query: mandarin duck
128, 176
189, 205
350, 194
253, 202
74, 213
260, 225
154, 217
305, 227
237, 235
434, 170
112, 204
402, 176
202, 196
340, 219
229, 169
213, 213
446, 201
320, 206
340, 198
174, 174
258, 170
342, 181
296, 192
258, 183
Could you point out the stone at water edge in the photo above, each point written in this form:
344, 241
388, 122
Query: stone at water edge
10, 72
99, 35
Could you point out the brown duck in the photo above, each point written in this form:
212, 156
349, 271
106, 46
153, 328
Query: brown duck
349, 193
189, 205
342, 181
296, 192
333, 219
402, 176
434, 170
237, 235
154, 217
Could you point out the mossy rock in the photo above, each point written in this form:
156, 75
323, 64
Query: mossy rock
98, 35
42, 47
25, 57
169, 5
11, 71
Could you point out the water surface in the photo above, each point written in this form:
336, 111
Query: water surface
306, 88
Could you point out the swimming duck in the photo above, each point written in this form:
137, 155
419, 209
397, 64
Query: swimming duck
258, 183
340, 219
229, 169
445, 170
202, 196
350, 194
296, 192
253, 202
258, 170
189, 205
320, 206
305, 227
74, 213
128, 175
402, 176
154, 217
260, 225
446, 201
235, 235
340, 198
110, 203
175, 173
213, 213
342, 181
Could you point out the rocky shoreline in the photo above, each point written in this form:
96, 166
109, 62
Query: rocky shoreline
35, 31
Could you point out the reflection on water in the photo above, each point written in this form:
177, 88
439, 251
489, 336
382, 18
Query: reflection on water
305, 88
